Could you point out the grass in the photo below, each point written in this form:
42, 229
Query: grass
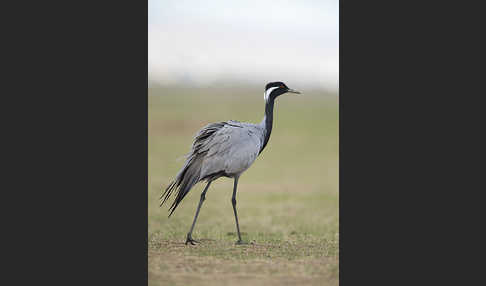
287, 200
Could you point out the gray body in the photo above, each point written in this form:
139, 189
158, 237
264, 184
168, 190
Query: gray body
223, 149
230, 150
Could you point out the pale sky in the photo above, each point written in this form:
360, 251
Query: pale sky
202, 42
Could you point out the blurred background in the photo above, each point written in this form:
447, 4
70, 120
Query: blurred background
209, 61
248, 42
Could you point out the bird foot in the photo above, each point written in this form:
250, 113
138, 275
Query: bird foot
241, 242
191, 241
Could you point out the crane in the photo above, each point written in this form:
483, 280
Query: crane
224, 149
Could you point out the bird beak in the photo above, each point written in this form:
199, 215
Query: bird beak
293, 91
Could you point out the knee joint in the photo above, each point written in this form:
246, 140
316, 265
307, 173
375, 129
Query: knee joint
233, 201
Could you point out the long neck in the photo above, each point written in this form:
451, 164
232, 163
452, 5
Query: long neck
267, 122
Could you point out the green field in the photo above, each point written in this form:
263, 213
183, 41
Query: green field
287, 200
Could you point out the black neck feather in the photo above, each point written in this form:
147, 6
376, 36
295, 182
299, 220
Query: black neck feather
268, 121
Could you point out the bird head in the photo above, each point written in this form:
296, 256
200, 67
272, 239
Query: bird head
274, 89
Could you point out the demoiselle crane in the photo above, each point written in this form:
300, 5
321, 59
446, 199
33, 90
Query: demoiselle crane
224, 149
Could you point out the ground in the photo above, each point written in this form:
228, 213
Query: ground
287, 200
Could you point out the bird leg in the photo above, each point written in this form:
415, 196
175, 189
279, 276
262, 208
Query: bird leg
233, 201
189, 234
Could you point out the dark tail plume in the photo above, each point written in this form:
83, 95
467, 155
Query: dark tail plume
184, 181
189, 175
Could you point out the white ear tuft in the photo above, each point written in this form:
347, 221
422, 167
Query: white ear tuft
266, 95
